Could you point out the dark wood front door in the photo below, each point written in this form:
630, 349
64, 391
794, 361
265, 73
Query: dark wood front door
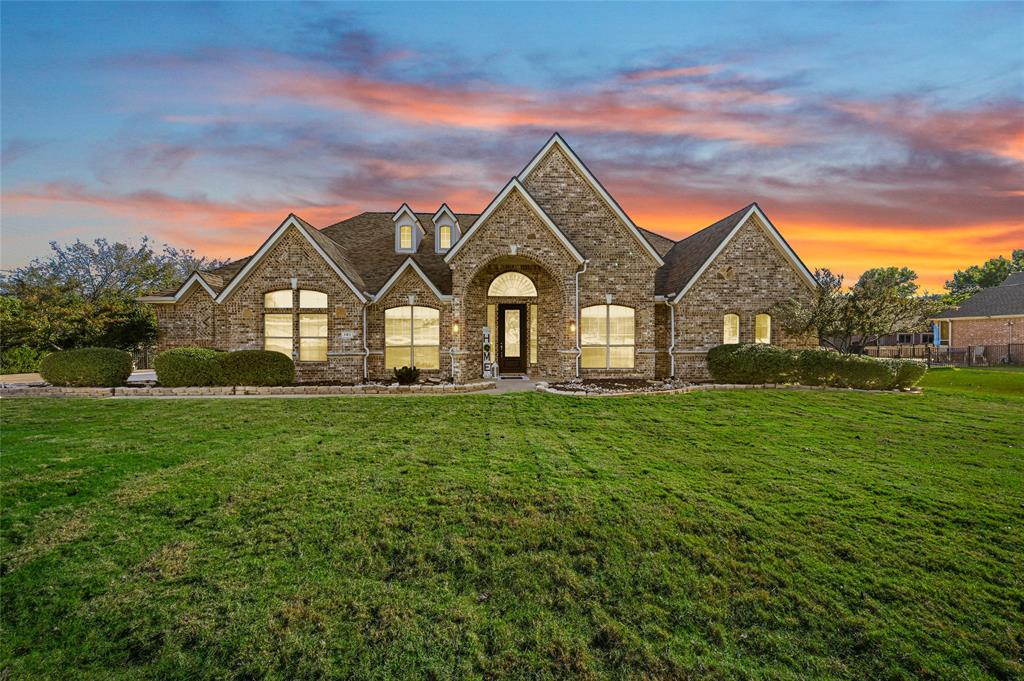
512, 346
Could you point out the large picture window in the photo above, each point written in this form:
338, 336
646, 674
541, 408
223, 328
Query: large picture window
412, 337
279, 324
607, 337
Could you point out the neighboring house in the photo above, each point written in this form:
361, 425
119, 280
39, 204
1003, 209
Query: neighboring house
552, 270
992, 316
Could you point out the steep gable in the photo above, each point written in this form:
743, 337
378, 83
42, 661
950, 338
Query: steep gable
577, 202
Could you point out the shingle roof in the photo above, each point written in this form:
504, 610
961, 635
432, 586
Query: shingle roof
372, 236
336, 252
662, 244
1005, 299
685, 258
216, 278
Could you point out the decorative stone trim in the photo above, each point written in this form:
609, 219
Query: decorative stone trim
543, 387
368, 389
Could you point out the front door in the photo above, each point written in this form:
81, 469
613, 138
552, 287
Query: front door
512, 338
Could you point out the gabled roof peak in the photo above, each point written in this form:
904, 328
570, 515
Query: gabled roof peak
404, 208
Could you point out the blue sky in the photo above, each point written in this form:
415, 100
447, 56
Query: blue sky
872, 134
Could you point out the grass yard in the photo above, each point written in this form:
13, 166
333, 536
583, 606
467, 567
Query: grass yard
760, 534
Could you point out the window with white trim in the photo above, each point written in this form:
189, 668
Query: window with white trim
763, 328
412, 337
444, 237
730, 329
944, 332
607, 337
405, 237
512, 285
279, 322
905, 338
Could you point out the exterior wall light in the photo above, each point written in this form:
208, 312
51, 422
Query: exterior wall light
572, 327
455, 328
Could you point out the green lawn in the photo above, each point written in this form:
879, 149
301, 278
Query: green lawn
991, 380
760, 534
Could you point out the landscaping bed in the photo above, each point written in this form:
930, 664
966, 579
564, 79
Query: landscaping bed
614, 386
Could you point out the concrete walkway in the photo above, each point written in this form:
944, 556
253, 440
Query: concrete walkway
29, 379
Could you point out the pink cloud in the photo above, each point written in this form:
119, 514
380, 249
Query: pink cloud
674, 72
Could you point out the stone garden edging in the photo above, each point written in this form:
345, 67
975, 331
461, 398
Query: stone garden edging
311, 390
543, 387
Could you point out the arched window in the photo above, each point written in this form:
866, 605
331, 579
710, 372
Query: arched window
279, 325
607, 337
512, 285
763, 328
412, 337
731, 329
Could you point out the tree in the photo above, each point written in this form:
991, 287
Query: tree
993, 272
85, 294
103, 268
882, 302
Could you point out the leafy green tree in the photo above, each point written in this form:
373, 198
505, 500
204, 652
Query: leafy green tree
883, 301
993, 272
84, 294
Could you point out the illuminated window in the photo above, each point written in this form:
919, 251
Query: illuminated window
944, 333
405, 237
412, 337
731, 329
492, 324
279, 327
533, 334
763, 329
607, 337
316, 299
281, 298
512, 285
444, 237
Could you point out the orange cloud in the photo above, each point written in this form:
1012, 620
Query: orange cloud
674, 72
666, 112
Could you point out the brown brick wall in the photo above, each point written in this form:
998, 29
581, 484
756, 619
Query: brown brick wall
986, 331
618, 264
747, 278
190, 321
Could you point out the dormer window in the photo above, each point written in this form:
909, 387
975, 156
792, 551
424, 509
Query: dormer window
446, 229
408, 230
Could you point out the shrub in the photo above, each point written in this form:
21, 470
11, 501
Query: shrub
865, 373
909, 372
407, 375
186, 366
751, 363
87, 367
253, 367
21, 360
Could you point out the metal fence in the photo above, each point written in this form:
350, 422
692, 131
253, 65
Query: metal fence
143, 357
943, 355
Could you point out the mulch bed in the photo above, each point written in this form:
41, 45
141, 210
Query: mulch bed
614, 385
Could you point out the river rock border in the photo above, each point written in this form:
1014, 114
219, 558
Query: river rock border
310, 390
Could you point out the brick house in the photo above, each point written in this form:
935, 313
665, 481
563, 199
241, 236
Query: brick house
991, 317
551, 280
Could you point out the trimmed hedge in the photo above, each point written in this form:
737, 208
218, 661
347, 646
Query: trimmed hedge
21, 360
769, 364
87, 368
186, 366
253, 367
757, 363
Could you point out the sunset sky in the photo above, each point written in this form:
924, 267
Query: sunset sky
871, 134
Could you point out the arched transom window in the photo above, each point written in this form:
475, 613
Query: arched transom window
607, 337
512, 285
279, 322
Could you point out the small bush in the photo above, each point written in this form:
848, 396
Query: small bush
21, 360
87, 367
253, 367
751, 363
407, 375
909, 372
188, 366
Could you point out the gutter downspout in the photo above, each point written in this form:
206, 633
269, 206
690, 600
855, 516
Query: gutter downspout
366, 348
672, 344
579, 350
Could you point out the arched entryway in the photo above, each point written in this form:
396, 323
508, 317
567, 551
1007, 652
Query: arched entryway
522, 317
